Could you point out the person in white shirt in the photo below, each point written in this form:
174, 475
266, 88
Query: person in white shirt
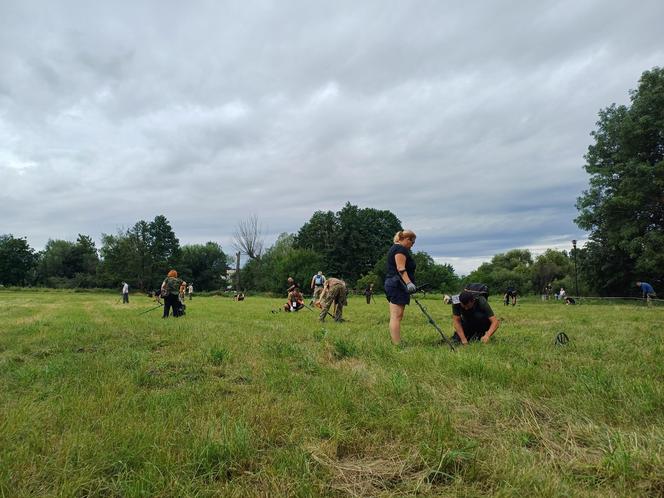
125, 293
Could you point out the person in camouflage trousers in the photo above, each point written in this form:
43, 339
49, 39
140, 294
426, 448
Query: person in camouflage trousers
334, 291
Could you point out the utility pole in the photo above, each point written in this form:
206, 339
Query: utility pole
237, 271
576, 275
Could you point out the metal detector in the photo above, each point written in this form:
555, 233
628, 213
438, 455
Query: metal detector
424, 310
306, 306
426, 313
330, 314
151, 309
561, 339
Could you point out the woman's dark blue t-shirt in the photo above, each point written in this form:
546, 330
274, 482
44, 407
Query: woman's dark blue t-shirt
392, 264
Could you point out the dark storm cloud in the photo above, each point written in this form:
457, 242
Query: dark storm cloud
469, 122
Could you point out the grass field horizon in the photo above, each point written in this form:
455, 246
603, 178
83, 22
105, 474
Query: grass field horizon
97, 399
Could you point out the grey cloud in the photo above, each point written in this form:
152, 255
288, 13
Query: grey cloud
283, 109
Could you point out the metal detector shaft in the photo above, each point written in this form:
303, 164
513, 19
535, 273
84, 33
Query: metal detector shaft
331, 315
151, 309
424, 310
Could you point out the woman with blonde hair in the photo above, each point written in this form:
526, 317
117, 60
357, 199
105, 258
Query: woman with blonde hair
170, 291
399, 279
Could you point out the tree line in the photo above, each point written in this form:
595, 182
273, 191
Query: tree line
351, 244
140, 256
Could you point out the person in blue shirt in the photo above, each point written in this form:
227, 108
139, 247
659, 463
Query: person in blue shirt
648, 291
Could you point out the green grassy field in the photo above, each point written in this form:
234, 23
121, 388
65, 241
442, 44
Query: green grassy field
233, 400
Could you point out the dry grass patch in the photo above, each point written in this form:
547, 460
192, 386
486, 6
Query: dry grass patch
355, 473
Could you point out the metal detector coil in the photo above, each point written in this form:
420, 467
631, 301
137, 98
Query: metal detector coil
561, 339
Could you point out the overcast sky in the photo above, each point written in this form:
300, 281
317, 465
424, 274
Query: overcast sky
469, 122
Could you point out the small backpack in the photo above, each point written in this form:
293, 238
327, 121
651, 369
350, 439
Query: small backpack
478, 289
318, 280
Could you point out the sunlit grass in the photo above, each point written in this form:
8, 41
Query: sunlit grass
97, 399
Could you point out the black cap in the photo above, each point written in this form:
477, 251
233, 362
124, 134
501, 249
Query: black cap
466, 297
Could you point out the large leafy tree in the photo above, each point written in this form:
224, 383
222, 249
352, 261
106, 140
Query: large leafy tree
439, 277
282, 260
624, 206
165, 249
510, 269
69, 264
17, 260
552, 268
140, 255
141, 263
203, 265
350, 241
117, 258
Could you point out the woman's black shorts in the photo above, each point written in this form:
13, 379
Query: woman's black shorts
395, 292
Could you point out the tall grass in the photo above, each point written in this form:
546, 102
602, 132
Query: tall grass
233, 400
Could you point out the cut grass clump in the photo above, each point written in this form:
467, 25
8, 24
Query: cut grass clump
224, 453
344, 349
218, 356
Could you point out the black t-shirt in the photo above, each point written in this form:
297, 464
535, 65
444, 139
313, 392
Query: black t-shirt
475, 320
392, 264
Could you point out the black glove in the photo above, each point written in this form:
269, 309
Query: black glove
410, 288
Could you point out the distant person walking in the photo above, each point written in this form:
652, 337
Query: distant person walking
648, 291
125, 293
317, 282
510, 296
368, 292
190, 291
171, 292
399, 279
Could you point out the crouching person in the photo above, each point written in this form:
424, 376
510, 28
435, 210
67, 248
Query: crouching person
295, 300
473, 319
334, 291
